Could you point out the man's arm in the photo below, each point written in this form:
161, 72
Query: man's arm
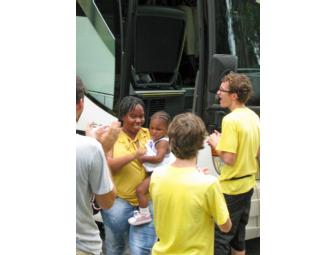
105, 201
229, 158
226, 227
101, 181
218, 207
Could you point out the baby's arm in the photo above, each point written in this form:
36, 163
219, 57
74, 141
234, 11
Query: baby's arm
162, 148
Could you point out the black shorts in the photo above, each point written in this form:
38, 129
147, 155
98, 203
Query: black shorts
239, 208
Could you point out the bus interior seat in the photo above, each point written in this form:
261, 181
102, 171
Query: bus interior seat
158, 45
191, 43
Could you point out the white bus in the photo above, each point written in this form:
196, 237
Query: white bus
172, 55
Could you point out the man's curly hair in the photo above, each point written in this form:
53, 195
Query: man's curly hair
239, 84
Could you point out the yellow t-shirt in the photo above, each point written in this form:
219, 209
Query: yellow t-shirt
132, 174
186, 206
240, 135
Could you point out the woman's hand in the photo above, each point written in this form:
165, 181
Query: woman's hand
139, 154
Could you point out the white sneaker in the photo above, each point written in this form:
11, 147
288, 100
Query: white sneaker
139, 218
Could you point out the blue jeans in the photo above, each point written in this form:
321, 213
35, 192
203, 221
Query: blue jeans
119, 233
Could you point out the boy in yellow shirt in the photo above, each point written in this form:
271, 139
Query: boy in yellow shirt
186, 202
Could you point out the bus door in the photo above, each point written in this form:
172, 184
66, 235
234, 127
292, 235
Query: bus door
154, 43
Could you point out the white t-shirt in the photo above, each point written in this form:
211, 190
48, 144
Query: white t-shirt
151, 151
92, 177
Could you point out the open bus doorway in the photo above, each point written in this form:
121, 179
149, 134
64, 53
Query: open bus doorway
211, 27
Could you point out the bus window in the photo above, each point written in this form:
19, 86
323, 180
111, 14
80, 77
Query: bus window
237, 31
98, 49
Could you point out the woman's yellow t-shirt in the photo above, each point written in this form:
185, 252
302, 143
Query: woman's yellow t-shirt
132, 174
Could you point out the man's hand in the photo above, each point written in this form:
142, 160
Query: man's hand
91, 129
203, 170
105, 134
213, 139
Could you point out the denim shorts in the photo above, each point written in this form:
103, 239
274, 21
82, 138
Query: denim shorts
239, 208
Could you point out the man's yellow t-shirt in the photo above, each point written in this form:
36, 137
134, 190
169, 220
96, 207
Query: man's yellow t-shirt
240, 135
132, 174
187, 204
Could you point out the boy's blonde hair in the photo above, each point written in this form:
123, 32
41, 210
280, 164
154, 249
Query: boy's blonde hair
186, 135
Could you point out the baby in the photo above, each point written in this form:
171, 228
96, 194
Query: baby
158, 155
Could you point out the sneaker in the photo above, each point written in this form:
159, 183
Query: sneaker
139, 218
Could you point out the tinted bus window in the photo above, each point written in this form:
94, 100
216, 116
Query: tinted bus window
237, 31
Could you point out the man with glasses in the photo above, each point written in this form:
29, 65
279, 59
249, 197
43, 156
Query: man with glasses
238, 146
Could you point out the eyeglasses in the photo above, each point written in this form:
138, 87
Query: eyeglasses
223, 90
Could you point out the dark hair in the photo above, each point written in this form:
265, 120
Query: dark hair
186, 135
163, 116
239, 84
128, 104
80, 89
